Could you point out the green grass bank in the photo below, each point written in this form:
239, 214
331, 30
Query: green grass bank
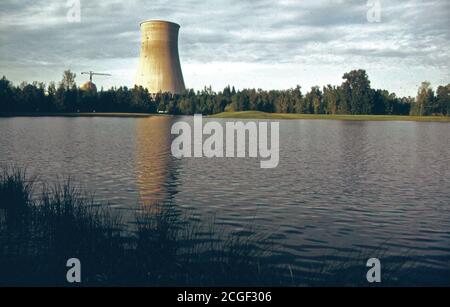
263, 115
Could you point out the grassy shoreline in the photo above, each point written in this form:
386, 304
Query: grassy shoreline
263, 115
81, 114
248, 115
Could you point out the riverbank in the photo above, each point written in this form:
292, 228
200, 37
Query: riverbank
80, 114
247, 115
263, 115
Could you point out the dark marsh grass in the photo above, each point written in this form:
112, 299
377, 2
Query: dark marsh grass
162, 246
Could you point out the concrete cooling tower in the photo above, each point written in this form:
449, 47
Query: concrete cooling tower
159, 65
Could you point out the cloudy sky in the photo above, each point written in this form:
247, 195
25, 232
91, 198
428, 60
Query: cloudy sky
265, 44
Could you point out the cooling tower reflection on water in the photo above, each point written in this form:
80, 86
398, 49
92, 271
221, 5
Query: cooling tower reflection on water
153, 160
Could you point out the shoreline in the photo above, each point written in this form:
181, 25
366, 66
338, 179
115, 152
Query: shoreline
81, 114
246, 115
292, 116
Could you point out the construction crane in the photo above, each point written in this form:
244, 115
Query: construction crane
91, 73
89, 85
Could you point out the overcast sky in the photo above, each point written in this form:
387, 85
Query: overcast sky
265, 44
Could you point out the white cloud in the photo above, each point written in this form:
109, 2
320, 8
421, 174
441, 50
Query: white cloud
268, 44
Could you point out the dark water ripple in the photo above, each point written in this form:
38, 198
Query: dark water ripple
343, 192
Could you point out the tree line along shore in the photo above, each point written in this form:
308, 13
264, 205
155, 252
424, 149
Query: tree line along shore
354, 96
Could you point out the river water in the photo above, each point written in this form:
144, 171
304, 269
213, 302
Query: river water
342, 192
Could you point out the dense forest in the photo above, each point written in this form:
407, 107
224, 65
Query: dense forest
353, 96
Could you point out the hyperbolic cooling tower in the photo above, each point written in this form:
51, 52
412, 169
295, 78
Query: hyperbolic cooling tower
159, 65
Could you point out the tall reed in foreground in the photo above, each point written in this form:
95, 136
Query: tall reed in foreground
162, 246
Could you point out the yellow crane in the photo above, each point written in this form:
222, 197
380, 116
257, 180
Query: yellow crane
91, 73
90, 86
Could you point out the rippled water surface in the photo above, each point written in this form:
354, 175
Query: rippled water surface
342, 190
